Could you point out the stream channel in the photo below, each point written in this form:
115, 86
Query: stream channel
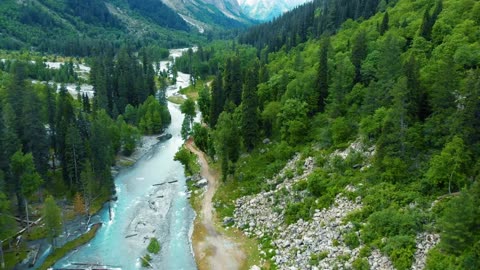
152, 202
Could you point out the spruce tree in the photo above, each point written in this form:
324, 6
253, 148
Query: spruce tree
249, 108
384, 25
359, 53
322, 77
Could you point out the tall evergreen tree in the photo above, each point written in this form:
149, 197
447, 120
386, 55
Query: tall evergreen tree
34, 134
359, 53
249, 108
322, 77
217, 100
233, 80
384, 25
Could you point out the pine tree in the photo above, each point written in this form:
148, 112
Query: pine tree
217, 100
233, 80
359, 53
384, 25
74, 154
322, 77
249, 108
34, 134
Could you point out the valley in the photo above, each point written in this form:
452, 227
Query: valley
339, 135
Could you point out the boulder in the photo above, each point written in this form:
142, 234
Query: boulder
164, 137
227, 221
202, 183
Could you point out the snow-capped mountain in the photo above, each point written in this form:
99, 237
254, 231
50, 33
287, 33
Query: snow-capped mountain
264, 10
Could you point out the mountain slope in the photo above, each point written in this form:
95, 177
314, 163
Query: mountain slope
72, 27
265, 10
210, 13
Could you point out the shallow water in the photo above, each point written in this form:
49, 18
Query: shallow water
143, 211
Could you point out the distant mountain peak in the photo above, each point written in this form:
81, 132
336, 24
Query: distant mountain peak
265, 10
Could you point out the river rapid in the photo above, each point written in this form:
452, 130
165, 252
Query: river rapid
152, 202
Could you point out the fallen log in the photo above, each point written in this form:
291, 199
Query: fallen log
131, 235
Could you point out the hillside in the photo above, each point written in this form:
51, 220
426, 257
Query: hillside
72, 27
211, 14
356, 146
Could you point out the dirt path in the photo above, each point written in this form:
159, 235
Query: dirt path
213, 249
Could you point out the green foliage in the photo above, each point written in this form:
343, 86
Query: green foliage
146, 260
201, 137
459, 222
390, 222
152, 117
293, 121
53, 219
361, 264
316, 258
153, 246
189, 160
301, 210
448, 169
401, 250
68, 247
351, 240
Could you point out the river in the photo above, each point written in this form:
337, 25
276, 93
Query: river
152, 202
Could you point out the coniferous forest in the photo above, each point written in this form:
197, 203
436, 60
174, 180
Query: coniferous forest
382, 96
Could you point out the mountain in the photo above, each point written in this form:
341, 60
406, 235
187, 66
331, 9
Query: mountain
265, 10
77, 27
208, 14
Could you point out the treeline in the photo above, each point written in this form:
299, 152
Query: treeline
310, 20
405, 83
38, 70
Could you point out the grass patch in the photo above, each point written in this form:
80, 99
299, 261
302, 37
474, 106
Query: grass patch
61, 252
176, 100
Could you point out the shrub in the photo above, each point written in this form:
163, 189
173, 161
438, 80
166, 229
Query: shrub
146, 260
360, 264
351, 240
401, 250
154, 246
318, 257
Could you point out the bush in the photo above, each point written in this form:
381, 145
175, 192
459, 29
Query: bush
391, 222
154, 246
318, 257
361, 264
302, 210
351, 240
146, 260
401, 250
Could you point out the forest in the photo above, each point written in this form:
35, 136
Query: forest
56, 144
404, 83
